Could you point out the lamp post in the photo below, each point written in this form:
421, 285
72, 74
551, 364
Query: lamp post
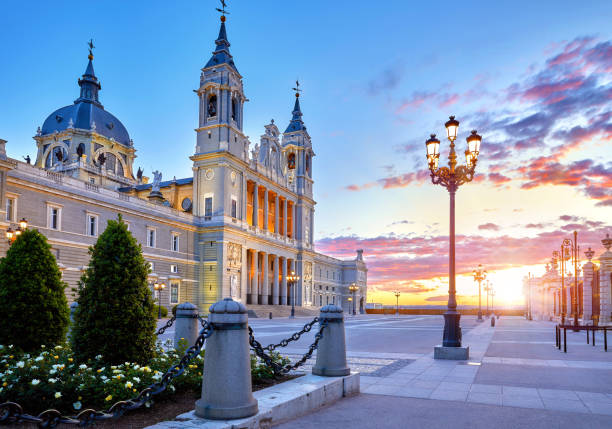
479, 276
292, 279
11, 235
353, 288
492, 293
529, 314
569, 252
487, 288
451, 178
397, 295
159, 287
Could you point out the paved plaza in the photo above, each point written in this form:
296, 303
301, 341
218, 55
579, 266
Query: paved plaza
515, 376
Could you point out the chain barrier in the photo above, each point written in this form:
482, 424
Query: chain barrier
11, 412
278, 369
169, 323
284, 343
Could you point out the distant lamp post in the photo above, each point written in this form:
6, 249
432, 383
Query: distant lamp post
159, 287
492, 293
353, 288
11, 235
479, 276
487, 288
397, 295
569, 252
293, 279
451, 178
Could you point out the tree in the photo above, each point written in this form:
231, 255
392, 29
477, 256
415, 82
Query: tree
115, 317
33, 308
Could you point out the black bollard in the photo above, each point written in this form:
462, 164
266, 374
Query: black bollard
493, 320
270, 315
587, 329
605, 339
565, 340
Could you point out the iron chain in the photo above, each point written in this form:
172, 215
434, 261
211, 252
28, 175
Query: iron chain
11, 412
284, 343
169, 323
277, 368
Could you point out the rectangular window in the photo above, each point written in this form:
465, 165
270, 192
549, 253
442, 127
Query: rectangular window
208, 208
175, 242
173, 268
150, 237
92, 225
54, 217
234, 209
10, 209
174, 292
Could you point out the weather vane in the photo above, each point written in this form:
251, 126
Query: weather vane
222, 10
297, 88
91, 47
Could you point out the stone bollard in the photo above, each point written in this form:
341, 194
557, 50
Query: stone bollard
331, 353
186, 324
226, 386
493, 320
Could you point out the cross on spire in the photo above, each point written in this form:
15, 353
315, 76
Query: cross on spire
297, 88
91, 47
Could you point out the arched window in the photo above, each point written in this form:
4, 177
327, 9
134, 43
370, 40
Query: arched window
234, 109
212, 106
57, 155
308, 164
320, 300
291, 161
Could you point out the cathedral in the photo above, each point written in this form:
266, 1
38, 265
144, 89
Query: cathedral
240, 227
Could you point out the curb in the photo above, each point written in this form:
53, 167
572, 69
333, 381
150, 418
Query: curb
278, 404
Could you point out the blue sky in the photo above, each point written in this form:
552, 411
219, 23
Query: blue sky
377, 80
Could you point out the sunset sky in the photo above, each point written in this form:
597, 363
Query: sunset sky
534, 78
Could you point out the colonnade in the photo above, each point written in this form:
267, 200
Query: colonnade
269, 211
267, 278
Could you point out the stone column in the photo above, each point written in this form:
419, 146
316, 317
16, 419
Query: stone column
253, 272
285, 217
292, 293
276, 214
243, 203
187, 324
331, 353
275, 281
283, 288
255, 204
226, 380
244, 275
265, 289
293, 222
605, 272
265, 210
588, 274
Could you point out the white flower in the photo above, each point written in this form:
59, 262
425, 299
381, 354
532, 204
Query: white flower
106, 381
53, 380
20, 364
136, 366
136, 379
77, 405
99, 357
129, 385
39, 358
82, 366
103, 377
9, 371
1, 346
157, 377
58, 347
58, 395
53, 371
35, 382
172, 388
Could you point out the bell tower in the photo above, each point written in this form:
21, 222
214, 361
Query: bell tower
221, 101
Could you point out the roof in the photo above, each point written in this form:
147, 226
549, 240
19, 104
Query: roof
165, 184
222, 55
296, 123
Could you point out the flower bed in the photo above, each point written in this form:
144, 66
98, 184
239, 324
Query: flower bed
53, 379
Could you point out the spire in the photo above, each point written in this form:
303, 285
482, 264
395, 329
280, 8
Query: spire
296, 123
221, 54
89, 82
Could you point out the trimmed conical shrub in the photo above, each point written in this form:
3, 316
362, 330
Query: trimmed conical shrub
115, 317
33, 306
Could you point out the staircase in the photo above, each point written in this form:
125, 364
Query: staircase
263, 311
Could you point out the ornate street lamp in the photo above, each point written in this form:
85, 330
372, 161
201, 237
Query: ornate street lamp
451, 178
492, 293
397, 295
569, 252
11, 235
159, 287
353, 288
487, 288
479, 276
292, 279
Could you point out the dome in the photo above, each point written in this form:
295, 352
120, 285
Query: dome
83, 115
87, 113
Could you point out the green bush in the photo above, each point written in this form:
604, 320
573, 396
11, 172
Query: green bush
174, 307
34, 310
164, 311
116, 314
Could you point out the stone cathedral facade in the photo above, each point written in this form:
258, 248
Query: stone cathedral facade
237, 228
